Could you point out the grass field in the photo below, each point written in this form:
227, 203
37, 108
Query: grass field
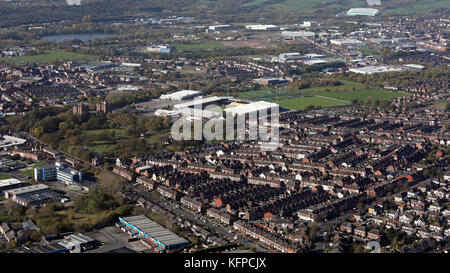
424, 6
100, 145
266, 94
119, 132
51, 56
4, 176
327, 96
208, 46
30, 172
302, 103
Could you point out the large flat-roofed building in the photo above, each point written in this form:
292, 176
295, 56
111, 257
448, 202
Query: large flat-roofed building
363, 12
368, 70
346, 42
268, 81
7, 141
262, 27
32, 195
77, 243
298, 34
150, 230
181, 95
287, 57
12, 183
219, 27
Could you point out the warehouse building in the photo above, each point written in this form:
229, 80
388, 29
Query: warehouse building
368, 70
287, 57
262, 27
346, 42
77, 243
268, 81
362, 12
298, 34
12, 183
219, 27
181, 95
34, 195
152, 231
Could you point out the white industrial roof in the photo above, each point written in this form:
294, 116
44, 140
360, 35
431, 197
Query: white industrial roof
375, 69
74, 240
262, 27
11, 181
251, 107
368, 11
28, 189
155, 230
298, 33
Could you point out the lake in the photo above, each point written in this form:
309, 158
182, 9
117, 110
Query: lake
84, 37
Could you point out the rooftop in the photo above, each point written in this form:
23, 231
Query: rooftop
155, 230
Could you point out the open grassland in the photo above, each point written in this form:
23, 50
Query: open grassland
302, 103
4, 176
51, 56
347, 91
207, 46
30, 172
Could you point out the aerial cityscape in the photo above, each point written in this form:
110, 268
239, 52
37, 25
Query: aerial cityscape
224, 126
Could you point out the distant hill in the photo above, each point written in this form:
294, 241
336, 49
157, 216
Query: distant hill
283, 11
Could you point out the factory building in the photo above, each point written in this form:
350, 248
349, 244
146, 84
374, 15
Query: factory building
287, 57
219, 27
268, 81
152, 232
262, 27
346, 42
77, 243
33, 195
298, 34
12, 183
368, 70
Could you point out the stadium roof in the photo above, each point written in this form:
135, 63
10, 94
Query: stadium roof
251, 107
179, 95
198, 101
